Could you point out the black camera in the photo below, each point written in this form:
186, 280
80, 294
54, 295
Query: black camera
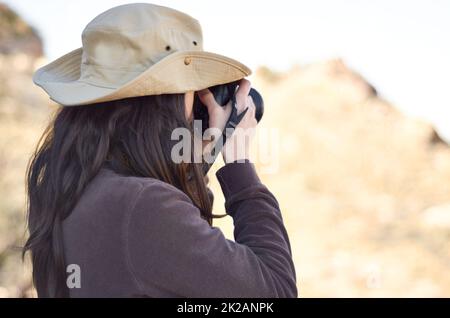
223, 94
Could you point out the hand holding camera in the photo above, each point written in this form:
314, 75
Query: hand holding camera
219, 102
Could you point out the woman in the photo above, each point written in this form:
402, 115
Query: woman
106, 200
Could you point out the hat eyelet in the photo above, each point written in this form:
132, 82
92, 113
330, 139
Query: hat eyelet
168, 48
194, 42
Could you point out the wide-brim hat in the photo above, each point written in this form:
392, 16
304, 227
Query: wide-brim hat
135, 50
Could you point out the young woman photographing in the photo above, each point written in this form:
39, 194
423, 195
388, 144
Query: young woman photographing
104, 193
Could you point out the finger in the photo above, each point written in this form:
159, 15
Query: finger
247, 118
228, 106
252, 107
242, 93
250, 116
244, 88
252, 111
250, 102
207, 98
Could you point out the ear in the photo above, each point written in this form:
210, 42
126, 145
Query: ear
189, 103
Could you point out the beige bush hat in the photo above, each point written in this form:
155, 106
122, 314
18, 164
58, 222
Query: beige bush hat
135, 50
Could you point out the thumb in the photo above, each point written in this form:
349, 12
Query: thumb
207, 98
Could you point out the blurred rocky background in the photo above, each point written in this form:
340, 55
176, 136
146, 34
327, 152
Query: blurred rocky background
23, 113
365, 190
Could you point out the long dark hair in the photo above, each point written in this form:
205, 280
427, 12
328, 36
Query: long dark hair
131, 136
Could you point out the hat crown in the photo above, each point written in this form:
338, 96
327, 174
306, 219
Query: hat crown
122, 42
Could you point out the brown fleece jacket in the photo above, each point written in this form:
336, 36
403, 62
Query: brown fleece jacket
141, 237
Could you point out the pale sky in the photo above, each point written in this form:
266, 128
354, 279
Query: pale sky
401, 47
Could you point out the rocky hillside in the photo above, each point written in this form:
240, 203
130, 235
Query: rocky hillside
365, 190
23, 112
17, 36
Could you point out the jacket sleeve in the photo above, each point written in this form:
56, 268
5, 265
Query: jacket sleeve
172, 248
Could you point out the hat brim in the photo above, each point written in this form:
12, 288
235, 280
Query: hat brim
61, 78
